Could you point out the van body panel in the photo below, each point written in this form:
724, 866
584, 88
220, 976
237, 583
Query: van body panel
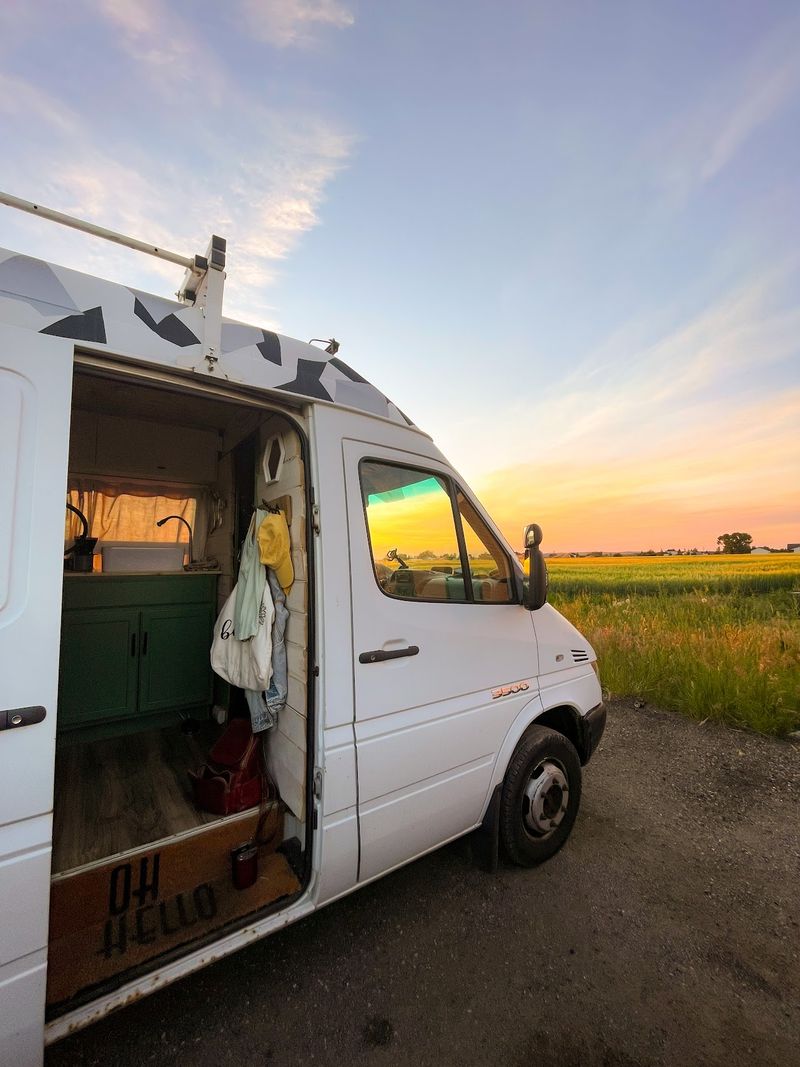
403, 825
35, 393
580, 690
339, 781
428, 726
561, 646
390, 745
22, 993
334, 633
337, 872
24, 886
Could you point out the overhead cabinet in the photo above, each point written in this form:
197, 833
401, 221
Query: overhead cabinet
134, 647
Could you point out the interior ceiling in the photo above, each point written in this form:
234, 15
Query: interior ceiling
133, 400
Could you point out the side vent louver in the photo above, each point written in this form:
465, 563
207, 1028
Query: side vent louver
580, 655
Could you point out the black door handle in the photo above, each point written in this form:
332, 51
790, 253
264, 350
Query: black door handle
10, 720
381, 654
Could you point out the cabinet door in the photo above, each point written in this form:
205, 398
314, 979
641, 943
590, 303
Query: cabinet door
175, 660
99, 663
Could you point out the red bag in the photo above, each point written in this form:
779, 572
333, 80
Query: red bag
234, 777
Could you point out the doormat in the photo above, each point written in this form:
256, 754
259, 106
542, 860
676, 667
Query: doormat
110, 918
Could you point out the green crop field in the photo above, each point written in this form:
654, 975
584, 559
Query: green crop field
716, 637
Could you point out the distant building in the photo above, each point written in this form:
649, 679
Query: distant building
793, 548
760, 551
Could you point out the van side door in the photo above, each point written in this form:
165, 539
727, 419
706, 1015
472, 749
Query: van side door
445, 655
35, 395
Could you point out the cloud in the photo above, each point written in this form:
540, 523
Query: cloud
285, 23
657, 432
699, 144
163, 44
253, 174
201, 153
136, 20
644, 384
735, 464
19, 96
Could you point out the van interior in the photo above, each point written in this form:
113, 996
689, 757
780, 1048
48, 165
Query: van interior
162, 486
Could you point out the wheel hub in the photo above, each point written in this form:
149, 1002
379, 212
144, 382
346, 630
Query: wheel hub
545, 799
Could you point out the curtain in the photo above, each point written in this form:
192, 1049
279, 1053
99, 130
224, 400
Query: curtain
119, 511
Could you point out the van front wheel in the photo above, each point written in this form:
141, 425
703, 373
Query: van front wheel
540, 797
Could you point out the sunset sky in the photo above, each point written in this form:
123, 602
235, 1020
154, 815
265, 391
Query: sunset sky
564, 238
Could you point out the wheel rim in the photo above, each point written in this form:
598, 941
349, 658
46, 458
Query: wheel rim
545, 799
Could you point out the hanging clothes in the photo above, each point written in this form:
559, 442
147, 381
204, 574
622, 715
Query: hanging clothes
276, 694
251, 582
261, 717
265, 706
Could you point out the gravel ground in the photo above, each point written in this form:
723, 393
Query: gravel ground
667, 931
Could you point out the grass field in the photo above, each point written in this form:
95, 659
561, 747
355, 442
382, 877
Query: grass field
716, 637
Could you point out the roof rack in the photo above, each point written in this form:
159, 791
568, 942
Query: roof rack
204, 276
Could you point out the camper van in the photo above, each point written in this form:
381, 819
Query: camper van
183, 498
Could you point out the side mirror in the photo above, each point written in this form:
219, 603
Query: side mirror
535, 590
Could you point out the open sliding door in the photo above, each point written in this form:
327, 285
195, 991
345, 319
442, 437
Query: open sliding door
35, 395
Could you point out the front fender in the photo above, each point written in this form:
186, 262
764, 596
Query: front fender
571, 689
526, 715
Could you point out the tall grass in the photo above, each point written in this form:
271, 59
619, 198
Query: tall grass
716, 639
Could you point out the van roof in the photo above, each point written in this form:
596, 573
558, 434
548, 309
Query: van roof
104, 316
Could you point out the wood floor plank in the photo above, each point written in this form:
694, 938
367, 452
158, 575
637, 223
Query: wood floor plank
121, 793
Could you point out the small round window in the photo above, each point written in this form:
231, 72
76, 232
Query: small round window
273, 459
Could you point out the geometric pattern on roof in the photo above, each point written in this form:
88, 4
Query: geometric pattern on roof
46, 298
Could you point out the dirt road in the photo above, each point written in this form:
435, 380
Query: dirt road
667, 931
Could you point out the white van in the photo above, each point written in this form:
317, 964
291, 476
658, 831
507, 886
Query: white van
429, 690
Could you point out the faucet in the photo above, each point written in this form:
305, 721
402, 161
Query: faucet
180, 518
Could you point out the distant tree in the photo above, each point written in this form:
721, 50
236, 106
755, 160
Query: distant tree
485, 555
427, 554
735, 544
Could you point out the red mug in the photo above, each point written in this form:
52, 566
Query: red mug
244, 865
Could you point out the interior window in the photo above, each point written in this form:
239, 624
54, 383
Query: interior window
492, 580
126, 517
412, 532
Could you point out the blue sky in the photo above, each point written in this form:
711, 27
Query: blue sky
562, 237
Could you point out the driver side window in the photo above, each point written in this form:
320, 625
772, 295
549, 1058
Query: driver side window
412, 532
428, 541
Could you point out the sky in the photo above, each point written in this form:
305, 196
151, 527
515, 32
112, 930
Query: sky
563, 238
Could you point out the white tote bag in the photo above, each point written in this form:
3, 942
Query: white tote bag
246, 664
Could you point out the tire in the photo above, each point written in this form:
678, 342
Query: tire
540, 797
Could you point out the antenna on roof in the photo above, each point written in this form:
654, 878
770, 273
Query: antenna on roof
331, 345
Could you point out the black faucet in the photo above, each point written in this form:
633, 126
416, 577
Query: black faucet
180, 518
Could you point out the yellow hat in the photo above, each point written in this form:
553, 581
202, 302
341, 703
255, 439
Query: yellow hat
274, 548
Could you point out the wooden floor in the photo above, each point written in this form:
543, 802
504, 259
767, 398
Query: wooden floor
124, 792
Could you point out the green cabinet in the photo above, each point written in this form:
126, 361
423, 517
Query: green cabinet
174, 669
135, 650
100, 665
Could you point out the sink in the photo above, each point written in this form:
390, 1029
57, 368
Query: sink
118, 559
